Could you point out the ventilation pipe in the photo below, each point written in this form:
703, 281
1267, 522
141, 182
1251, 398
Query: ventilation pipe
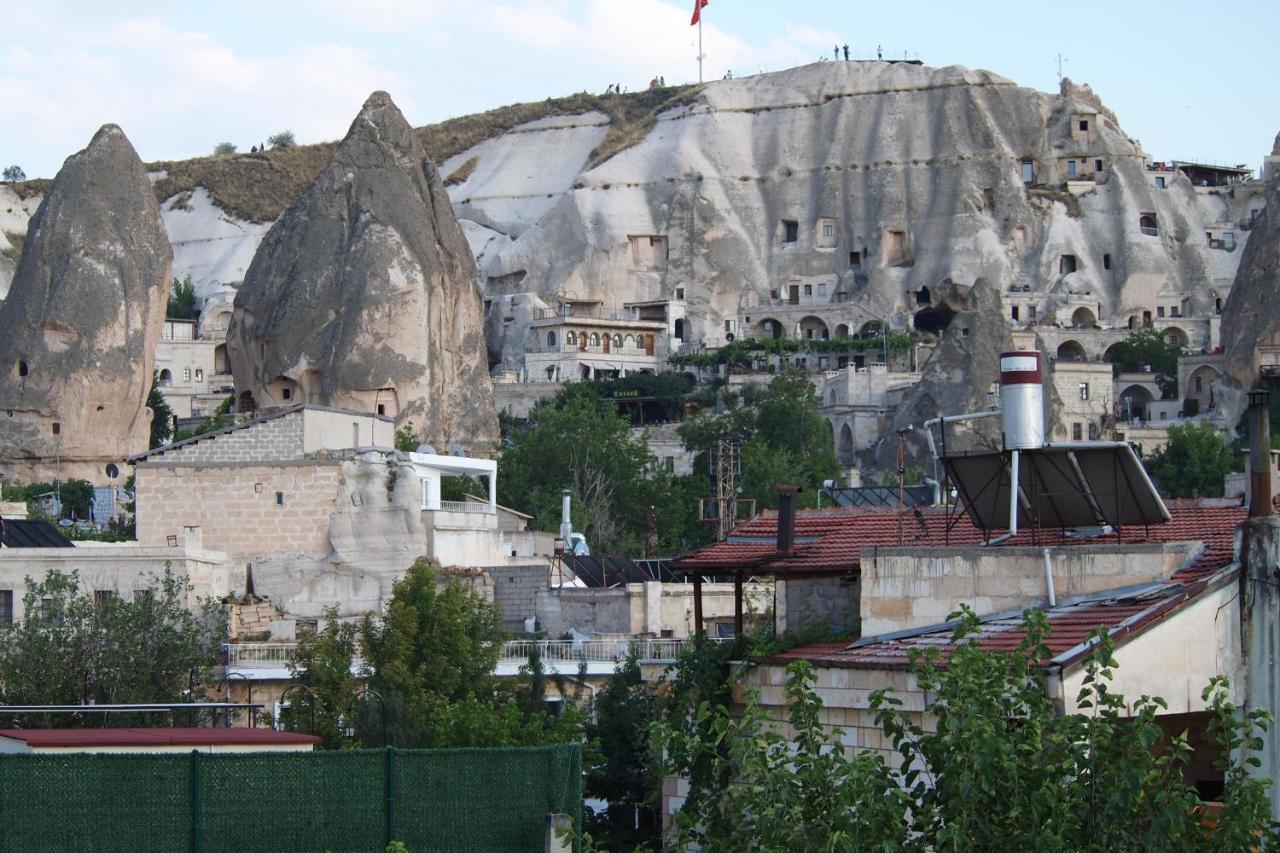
786, 519
566, 520
1021, 414
1048, 579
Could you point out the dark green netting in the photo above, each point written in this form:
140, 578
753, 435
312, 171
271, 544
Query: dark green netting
464, 799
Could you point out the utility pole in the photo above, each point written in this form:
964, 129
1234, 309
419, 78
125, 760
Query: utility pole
725, 471
700, 49
1060, 61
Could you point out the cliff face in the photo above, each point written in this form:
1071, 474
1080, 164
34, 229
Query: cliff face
363, 295
873, 186
79, 326
1249, 319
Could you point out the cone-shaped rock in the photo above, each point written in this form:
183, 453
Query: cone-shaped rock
79, 328
1249, 319
363, 295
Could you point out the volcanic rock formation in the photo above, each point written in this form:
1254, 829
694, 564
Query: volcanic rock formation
363, 295
79, 326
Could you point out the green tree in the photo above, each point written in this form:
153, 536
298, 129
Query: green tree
626, 778
997, 768
220, 418
182, 300
283, 139
1147, 348
13, 174
1194, 462
578, 441
223, 149
407, 439
161, 414
75, 646
322, 662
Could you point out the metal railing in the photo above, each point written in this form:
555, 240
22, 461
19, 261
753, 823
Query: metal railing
572, 651
258, 654
461, 506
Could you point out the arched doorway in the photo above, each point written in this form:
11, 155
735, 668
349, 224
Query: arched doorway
1175, 337
245, 403
814, 329
1133, 403
1083, 318
220, 363
844, 446
842, 331
679, 329
165, 378
1072, 350
767, 328
1202, 387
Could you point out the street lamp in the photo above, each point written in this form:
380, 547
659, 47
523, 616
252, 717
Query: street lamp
363, 694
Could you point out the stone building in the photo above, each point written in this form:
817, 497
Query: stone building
581, 341
192, 371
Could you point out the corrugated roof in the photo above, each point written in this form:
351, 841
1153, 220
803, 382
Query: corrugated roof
188, 736
31, 533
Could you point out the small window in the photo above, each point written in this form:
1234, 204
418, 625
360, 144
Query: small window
303, 627
828, 229
23, 369
1077, 432
822, 290
279, 498
199, 374
551, 339
1066, 264
1084, 125
571, 338
808, 290
101, 597
617, 341
287, 393
186, 374
1071, 170
1159, 182
669, 462
595, 339
355, 438
1031, 312
790, 231
1097, 165
6, 607
855, 259
382, 408
773, 294
1084, 390
679, 293
1160, 311
1106, 262
1013, 312
57, 428
1028, 172
1199, 384
1093, 431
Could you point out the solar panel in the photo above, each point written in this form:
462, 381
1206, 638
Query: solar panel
1081, 484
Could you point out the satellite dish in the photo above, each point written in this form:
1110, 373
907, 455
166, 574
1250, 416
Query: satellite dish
456, 449
112, 471
426, 449
728, 336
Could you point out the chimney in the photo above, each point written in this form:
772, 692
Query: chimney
786, 519
1260, 455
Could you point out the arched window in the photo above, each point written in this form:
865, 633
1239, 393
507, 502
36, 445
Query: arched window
551, 339
166, 376
631, 341
617, 341
679, 330
571, 338
595, 339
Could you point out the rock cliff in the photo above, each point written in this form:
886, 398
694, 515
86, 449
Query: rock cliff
363, 295
79, 326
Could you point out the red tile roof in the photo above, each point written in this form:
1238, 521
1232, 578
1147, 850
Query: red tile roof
1124, 615
144, 737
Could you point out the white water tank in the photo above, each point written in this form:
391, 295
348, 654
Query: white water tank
1022, 399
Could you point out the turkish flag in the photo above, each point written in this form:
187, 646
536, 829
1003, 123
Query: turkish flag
697, 11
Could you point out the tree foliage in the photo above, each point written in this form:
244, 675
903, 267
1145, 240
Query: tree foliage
161, 414
76, 497
220, 418
1147, 348
998, 768
182, 300
283, 139
223, 149
74, 646
431, 657
322, 662
783, 438
13, 174
1194, 463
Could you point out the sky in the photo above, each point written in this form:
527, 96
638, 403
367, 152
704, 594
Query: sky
1190, 82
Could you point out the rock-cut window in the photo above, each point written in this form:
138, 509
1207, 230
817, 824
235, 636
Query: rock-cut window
23, 368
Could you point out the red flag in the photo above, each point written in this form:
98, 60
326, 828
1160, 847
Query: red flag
697, 11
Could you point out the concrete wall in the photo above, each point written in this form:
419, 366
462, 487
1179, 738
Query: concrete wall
640, 608
325, 429
515, 592
517, 399
913, 587
236, 506
816, 603
463, 538
276, 440
1067, 378
122, 567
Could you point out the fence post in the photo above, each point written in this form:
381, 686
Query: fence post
197, 802
389, 789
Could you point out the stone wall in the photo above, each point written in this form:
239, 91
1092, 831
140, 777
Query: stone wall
242, 509
912, 587
812, 603
517, 399
515, 592
275, 440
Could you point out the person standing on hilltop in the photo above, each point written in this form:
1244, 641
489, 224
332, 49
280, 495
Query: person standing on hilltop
846, 53
835, 52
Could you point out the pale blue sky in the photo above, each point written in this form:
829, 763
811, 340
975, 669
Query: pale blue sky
1188, 80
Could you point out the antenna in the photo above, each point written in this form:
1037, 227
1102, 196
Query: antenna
1061, 60
723, 509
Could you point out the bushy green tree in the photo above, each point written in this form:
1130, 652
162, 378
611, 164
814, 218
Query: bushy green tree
182, 300
283, 139
161, 414
322, 662
998, 768
626, 776
220, 418
223, 149
13, 174
1194, 463
75, 646
1147, 348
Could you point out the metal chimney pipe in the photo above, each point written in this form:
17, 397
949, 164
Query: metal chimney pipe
787, 519
566, 520
1260, 486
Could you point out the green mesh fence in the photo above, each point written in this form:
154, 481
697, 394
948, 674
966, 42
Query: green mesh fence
463, 799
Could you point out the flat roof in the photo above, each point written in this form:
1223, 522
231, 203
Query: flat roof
183, 736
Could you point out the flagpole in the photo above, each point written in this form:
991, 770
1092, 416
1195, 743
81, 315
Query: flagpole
699, 49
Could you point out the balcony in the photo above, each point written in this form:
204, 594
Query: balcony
602, 656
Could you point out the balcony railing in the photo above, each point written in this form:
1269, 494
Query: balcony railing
460, 506
572, 651
258, 655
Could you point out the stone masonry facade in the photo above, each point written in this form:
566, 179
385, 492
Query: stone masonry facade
273, 440
242, 508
